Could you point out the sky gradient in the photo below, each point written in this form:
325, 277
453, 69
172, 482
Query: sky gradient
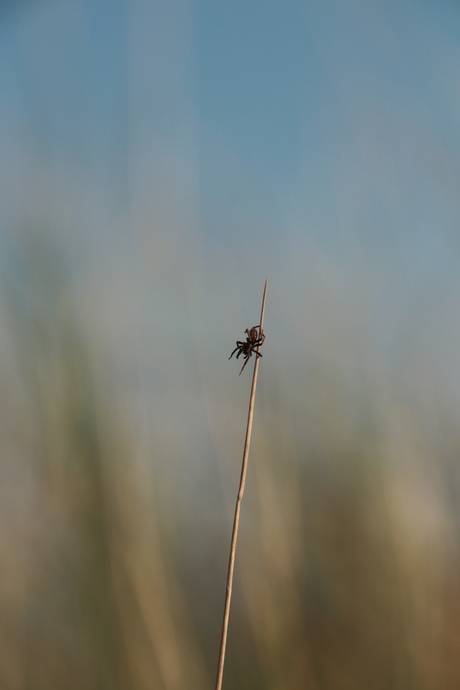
203, 147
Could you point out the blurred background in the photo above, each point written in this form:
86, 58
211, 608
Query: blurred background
160, 160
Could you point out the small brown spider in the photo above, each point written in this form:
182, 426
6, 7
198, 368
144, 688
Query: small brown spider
252, 341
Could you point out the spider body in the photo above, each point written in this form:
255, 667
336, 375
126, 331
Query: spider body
253, 340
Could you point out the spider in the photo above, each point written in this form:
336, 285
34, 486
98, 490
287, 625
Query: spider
252, 341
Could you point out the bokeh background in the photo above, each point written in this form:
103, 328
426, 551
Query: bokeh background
159, 160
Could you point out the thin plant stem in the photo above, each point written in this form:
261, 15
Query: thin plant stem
236, 520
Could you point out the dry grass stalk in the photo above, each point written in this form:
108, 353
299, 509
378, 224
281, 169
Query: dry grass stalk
236, 519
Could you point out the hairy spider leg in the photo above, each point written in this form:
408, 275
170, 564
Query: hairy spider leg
245, 362
248, 355
239, 345
259, 341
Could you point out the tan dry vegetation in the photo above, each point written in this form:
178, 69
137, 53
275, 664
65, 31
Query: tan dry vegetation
347, 572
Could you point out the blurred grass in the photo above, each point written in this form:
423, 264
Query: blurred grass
348, 572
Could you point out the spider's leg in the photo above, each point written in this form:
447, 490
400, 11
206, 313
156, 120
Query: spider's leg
246, 350
239, 345
259, 354
246, 361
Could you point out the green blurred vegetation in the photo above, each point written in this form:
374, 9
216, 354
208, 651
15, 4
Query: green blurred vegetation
347, 573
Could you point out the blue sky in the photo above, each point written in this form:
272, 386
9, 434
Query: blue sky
302, 141
286, 95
